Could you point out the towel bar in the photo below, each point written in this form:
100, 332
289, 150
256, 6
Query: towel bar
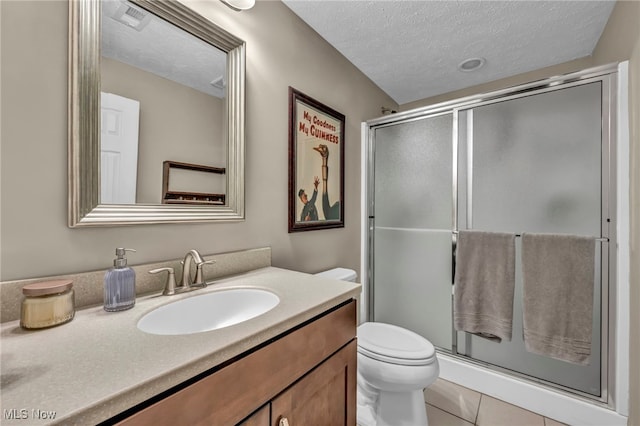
605, 239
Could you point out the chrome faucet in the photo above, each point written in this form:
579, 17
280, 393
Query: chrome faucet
187, 283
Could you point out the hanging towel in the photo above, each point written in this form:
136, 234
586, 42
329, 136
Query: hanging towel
557, 280
484, 283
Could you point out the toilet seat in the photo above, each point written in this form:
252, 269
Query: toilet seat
394, 345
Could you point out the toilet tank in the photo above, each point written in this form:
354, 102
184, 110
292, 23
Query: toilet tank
342, 274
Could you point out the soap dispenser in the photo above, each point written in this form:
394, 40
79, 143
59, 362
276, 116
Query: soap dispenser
120, 284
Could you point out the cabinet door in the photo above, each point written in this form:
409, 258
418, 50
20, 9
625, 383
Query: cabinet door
324, 397
261, 417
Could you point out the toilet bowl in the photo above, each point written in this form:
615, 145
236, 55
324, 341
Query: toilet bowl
394, 366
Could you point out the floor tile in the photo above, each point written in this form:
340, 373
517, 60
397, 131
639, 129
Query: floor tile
438, 417
494, 412
454, 399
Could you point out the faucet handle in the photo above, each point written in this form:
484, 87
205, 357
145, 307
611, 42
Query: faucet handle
199, 274
170, 286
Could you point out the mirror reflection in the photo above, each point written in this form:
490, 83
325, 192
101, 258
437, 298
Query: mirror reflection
156, 115
163, 100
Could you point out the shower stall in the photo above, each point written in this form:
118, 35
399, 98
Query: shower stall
538, 158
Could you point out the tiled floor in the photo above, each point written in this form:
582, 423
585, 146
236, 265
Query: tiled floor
449, 404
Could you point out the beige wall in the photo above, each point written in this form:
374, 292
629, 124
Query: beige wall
621, 41
635, 231
281, 52
177, 123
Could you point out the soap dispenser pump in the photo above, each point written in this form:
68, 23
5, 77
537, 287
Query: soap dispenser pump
120, 284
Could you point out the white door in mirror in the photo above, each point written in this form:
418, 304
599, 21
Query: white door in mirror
210, 311
118, 149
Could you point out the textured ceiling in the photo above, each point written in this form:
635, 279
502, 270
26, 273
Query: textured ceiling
162, 49
411, 49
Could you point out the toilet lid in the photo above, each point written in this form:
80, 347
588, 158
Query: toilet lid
396, 345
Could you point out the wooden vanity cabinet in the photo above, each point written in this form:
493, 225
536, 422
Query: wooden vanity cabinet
305, 377
321, 397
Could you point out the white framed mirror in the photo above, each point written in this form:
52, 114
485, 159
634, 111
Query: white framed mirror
109, 63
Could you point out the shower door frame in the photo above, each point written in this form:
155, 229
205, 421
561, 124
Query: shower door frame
607, 75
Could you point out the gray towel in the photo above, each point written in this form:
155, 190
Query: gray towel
557, 280
484, 284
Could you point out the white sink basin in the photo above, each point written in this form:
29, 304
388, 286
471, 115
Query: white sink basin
208, 312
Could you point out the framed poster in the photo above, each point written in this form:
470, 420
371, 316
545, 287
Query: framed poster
316, 164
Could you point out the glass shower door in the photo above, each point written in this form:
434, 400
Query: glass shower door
533, 164
412, 220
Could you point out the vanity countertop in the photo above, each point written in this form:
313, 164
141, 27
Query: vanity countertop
101, 364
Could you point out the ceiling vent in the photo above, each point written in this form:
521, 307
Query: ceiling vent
219, 83
132, 17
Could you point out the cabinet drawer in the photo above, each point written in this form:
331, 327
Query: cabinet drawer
233, 392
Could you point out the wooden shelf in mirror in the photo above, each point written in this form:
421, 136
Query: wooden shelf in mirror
187, 197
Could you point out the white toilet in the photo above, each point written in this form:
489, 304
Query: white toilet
394, 366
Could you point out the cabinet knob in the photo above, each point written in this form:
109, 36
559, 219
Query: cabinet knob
283, 421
